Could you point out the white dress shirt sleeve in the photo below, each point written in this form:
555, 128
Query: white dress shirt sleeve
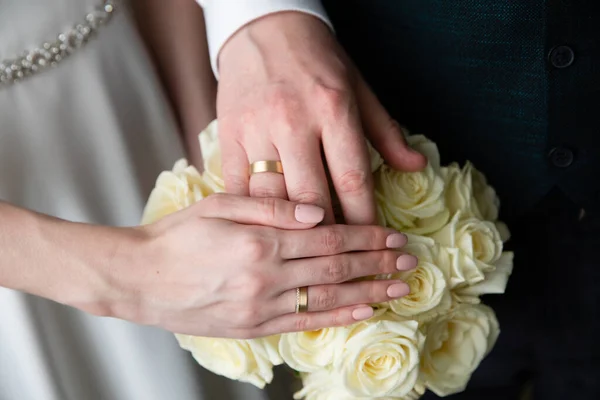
225, 17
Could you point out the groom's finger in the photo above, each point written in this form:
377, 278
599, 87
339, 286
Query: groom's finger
348, 160
385, 133
234, 161
305, 174
265, 183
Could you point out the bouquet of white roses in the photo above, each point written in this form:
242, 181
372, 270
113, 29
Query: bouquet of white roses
433, 338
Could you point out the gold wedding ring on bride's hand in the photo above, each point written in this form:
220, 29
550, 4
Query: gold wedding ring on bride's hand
266, 166
301, 299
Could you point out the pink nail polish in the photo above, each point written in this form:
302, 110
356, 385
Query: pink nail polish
406, 262
309, 214
398, 290
395, 240
362, 313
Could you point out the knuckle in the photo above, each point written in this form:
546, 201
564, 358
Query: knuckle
267, 208
375, 292
326, 300
308, 197
248, 117
387, 261
254, 286
333, 240
277, 96
336, 102
393, 126
332, 94
377, 237
234, 122
338, 318
262, 192
248, 316
283, 103
301, 323
253, 248
353, 181
338, 270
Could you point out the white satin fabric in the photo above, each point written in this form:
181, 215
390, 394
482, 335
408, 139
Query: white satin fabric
85, 141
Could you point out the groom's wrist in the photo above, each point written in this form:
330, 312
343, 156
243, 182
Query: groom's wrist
224, 20
272, 44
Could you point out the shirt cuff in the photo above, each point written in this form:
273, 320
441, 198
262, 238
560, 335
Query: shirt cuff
225, 17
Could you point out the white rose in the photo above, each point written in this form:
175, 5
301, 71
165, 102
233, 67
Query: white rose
211, 155
174, 191
478, 239
459, 190
426, 147
415, 394
323, 385
310, 351
503, 230
467, 191
429, 292
485, 196
381, 358
411, 201
455, 346
243, 360
460, 269
494, 282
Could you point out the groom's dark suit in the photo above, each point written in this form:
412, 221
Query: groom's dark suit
513, 86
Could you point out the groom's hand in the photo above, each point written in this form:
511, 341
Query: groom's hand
287, 92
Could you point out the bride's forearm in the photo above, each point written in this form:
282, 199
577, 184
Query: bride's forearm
63, 261
175, 34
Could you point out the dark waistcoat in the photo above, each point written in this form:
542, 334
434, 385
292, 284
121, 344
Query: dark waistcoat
512, 85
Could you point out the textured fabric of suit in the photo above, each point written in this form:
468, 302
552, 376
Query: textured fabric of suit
476, 76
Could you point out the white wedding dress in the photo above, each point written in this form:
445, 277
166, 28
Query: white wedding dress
85, 141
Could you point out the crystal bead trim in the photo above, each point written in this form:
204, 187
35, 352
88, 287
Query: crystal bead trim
49, 54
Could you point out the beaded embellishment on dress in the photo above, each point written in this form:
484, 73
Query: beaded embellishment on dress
49, 54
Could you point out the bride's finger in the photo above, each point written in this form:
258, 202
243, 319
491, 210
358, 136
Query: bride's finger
270, 212
343, 267
311, 321
337, 239
329, 297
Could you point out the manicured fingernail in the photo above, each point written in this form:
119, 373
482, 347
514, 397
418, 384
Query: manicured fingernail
362, 313
395, 240
406, 262
309, 214
398, 290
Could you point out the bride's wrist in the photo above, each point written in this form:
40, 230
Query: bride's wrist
90, 264
130, 280
116, 269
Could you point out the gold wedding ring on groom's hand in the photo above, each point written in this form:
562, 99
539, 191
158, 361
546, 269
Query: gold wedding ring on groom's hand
266, 166
301, 299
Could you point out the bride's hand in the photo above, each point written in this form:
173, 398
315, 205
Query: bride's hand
229, 266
